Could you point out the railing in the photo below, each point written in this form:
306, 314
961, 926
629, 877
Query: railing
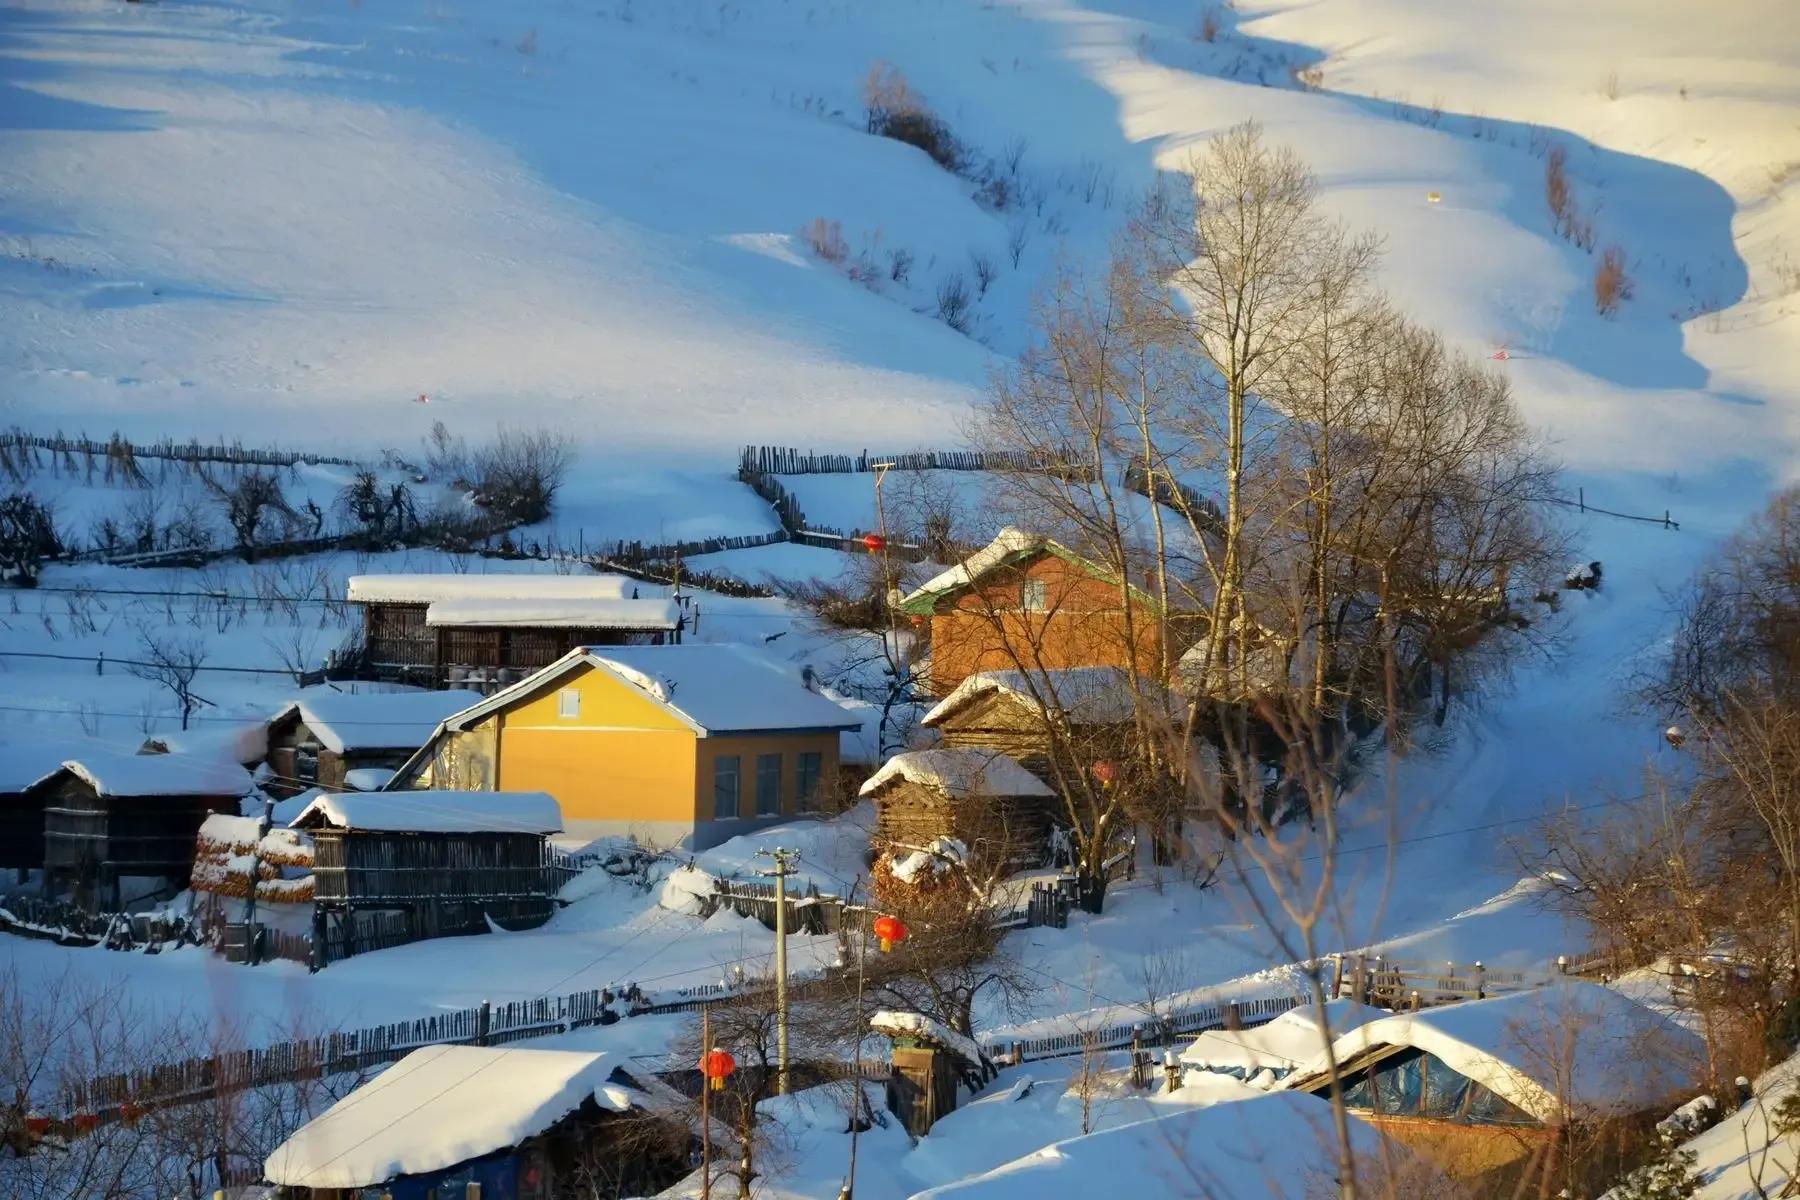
1413, 984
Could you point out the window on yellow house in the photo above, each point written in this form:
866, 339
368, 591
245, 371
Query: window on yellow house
807, 770
725, 787
568, 703
768, 785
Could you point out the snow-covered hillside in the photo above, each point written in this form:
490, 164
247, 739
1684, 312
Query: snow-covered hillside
327, 227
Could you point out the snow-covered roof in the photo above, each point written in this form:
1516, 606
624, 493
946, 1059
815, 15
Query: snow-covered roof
891, 1024
435, 812
716, 687
346, 721
555, 612
1090, 695
1292, 1040
1570, 1047
960, 772
439, 1106
1008, 543
127, 775
428, 589
369, 779
244, 744
1274, 1145
24, 761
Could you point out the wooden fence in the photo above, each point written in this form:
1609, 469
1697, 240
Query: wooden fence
18, 452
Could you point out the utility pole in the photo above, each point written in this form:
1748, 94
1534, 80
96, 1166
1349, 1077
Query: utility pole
848, 1191
262, 830
781, 858
705, 1104
896, 656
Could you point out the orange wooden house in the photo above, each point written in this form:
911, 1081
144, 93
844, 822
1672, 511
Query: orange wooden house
1026, 602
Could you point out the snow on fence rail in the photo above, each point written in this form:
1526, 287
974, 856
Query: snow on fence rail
786, 460
1115, 1037
359, 1050
17, 451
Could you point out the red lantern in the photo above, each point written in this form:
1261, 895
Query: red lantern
889, 929
875, 542
918, 621
1106, 772
716, 1065
37, 1126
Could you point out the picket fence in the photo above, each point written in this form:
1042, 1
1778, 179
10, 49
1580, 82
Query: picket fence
786, 460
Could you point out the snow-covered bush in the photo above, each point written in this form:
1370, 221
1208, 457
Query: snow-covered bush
1612, 284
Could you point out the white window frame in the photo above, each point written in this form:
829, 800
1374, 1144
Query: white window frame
1034, 596
568, 704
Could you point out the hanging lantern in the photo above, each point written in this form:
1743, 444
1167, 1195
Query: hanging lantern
716, 1065
1106, 772
918, 621
1674, 735
874, 542
37, 1125
889, 929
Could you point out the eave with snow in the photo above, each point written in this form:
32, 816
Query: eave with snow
396, 867
988, 802
110, 816
693, 742
487, 631
326, 735
1027, 602
1531, 1060
509, 1120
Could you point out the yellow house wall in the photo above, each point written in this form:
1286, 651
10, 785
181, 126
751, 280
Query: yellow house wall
624, 758
789, 745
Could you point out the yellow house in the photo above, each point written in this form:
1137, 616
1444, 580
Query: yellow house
680, 744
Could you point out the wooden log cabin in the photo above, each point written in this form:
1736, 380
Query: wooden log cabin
397, 867
998, 810
494, 1122
486, 631
327, 736
24, 762
1083, 713
119, 828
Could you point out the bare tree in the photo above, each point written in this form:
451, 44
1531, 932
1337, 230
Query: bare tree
248, 502
28, 536
518, 474
173, 662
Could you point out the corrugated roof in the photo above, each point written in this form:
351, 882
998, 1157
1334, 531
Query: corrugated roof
428, 589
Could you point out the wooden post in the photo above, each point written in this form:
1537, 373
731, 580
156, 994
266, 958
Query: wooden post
483, 1023
1234, 1016
1171, 1070
705, 1105
1360, 983
1337, 976
1480, 985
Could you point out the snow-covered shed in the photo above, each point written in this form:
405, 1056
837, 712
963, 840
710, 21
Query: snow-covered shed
23, 762
513, 1122
694, 743
396, 867
109, 817
1275, 1145
990, 803
483, 631
1445, 1079
1266, 1053
320, 738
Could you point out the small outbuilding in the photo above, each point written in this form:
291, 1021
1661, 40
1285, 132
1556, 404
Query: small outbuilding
23, 762
324, 738
990, 803
1263, 1055
1484, 1087
504, 1123
119, 828
397, 867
